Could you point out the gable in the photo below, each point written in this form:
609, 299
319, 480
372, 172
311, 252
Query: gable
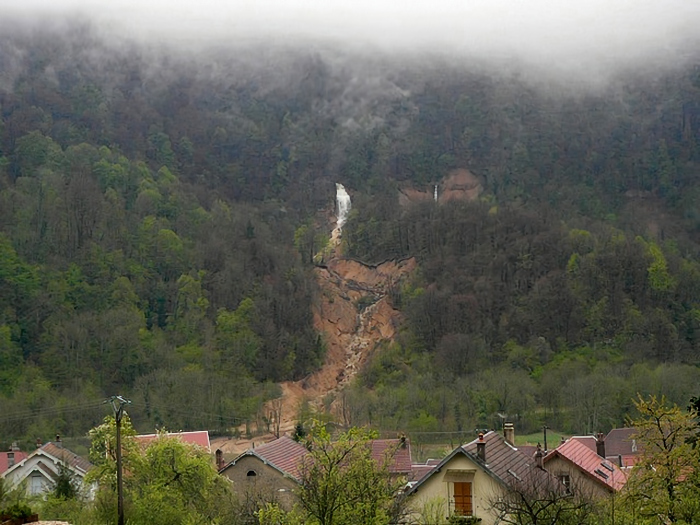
283, 454
42, 462
58, 453
600, 471
438, 488
241, 466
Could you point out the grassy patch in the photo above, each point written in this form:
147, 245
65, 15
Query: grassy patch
553, 439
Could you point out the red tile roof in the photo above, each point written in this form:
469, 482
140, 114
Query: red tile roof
528, 450
199, 438
283, 454
507, 463
503, 462
597, 468
395, 453
72, 459
418, 472
588, 441
4, 462
286, 455
619, 442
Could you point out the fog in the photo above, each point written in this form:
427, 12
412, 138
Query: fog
564, 34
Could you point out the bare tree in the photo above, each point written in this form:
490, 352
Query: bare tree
543, 500
276, 415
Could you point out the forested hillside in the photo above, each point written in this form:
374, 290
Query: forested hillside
160, 210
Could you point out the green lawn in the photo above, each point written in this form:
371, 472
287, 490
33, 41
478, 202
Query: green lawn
553, 439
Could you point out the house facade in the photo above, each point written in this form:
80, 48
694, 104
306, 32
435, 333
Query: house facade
621, 447
40, 469
272, 468
471, 478
10, 458
583, 471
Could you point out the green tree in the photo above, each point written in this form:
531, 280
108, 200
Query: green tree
10, 361
664, 486
176, 483
168, 482
237, 343
65, 486
103, 446
342, 483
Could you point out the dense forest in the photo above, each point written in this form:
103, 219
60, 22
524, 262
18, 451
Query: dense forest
158, 208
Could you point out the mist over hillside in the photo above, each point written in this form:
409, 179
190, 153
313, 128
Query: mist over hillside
164, 202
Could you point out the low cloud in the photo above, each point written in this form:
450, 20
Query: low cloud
564, 34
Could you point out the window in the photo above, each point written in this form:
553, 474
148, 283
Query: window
251, 474
566, 481
462, 493
37, 485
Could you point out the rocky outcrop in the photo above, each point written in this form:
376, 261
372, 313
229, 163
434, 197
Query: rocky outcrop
459, 185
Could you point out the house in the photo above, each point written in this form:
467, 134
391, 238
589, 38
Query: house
275, 466
581, 469
199, 438
420, 470
272, 467
621, 447
12, 456
592, 442
40, 469
395, 454
473, 476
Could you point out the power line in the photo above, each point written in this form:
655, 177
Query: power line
46, 411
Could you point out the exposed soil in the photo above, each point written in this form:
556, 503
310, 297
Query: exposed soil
354, 314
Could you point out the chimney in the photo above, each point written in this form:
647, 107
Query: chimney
10, 459
58, 441
619, 461
563, 440
402, 439
509, 433
538, 457
38, 442
14, 447
219, 459
481, 448
600, 444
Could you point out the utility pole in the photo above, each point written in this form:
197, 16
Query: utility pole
544, 430
118, 403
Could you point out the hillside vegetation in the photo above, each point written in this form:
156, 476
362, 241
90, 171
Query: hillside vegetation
160, 214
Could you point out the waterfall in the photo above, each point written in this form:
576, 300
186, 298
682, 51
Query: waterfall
435, 193
343, 204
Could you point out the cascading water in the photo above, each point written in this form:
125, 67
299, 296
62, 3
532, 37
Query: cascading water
435, 195
343, 204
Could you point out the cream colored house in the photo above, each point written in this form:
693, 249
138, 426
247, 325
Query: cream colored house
471, 478
39, 471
